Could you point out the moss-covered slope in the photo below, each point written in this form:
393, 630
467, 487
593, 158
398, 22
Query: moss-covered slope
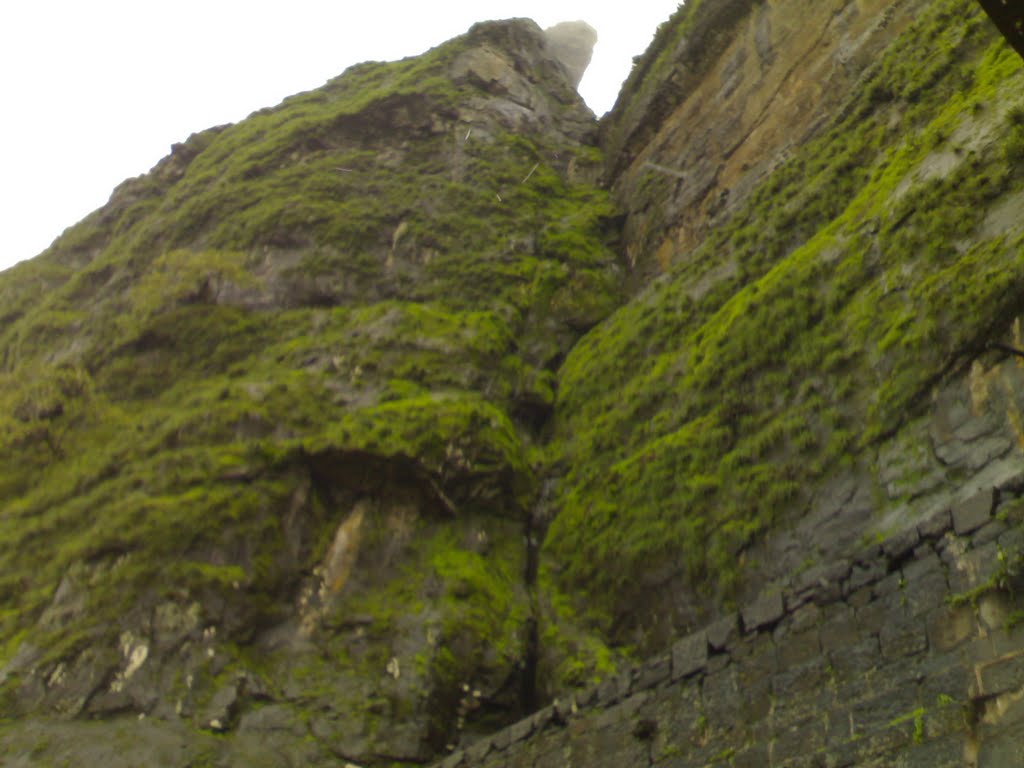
346, 432
798, 337
269, 416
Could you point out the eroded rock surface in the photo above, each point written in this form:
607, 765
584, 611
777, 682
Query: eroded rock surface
572, 43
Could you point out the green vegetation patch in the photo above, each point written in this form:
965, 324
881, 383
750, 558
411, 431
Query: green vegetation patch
810, 326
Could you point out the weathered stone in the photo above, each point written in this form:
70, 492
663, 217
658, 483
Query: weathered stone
758, 652
611, 743
763, 612
107, 703
975, 568
950, 626
1012, 484
901, 544
798, 648
588, 696
868, 555
975, 454
903, 637
552, 753
654, 673
821, 583
839, 627
756, 699
753, 756
625, 683
572, 43
622, 713
926, 592
800, 739
218, 715
720, 694
1001, 675
927, 562
1003, 748
521, 730
944, 680
973, 513
872, 617
891, 583
850, 661
862, 575
1012, 540
991, 531
454, 760
689, 655
542, 718
860, 597
501, 740
271, 718
884, 708
936, 524
802, 682
803, 618
717, 663
722, 633
563, 709
608, 691
1006, 638
476, 752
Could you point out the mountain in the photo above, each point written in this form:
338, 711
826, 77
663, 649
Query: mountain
372, 423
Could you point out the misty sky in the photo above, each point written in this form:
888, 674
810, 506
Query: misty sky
97, 91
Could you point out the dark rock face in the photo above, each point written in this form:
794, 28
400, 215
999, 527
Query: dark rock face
913, 665
378, 428
788, 377
276, 456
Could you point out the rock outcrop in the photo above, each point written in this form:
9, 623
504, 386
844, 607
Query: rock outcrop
269, 415
572, 43
358, 431
789, 380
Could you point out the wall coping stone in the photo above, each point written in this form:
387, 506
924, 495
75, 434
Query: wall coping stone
724, 632
765, 611
689, 655
897, 547
936, 524
973, 513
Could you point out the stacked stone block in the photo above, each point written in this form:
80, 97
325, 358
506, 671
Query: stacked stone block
910, 653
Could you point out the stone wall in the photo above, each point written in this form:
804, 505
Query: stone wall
909, 654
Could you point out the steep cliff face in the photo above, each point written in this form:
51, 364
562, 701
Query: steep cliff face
369, 424
798, 377
725, 95
270, 415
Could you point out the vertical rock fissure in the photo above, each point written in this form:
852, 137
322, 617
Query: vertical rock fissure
531, 654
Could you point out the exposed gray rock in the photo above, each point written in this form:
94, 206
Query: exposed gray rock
271, 718
572, 43
764, 611
723, 632
973, 513
219, 714
689, 655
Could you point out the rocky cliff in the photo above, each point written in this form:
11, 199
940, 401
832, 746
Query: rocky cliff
360, 429
272, 416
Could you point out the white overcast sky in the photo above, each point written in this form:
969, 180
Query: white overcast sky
96, 91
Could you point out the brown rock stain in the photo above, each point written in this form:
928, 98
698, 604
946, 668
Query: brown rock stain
344, 550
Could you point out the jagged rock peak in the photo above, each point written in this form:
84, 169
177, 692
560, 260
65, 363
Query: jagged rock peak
572, 43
